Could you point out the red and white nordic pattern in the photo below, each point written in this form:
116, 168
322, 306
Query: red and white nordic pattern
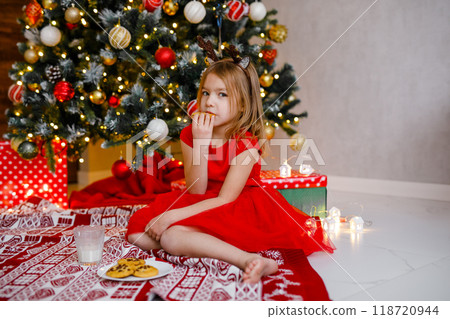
21, 179
38, 261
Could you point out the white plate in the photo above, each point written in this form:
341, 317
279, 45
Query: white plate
163, 270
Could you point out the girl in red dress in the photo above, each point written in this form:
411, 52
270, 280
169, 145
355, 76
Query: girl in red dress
224, 212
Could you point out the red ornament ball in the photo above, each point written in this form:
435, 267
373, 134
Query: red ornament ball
152, 5
192, 107
15, 93
120, 169
71, 26
113, 101
165, 57
237, 10
63, 91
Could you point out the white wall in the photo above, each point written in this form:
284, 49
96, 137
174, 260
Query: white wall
379, 99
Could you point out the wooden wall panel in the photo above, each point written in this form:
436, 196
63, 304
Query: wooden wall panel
10, 34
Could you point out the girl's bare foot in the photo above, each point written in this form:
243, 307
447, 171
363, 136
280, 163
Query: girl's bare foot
258, 267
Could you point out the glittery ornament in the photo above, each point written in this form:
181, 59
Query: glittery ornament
278, 33
63, 91
72, 15
119, 37
194, 12
157, 129
296, 142
170, 7
109, 61
49, 4
33, 12
28, 150
257, 11
50, 36
31, 56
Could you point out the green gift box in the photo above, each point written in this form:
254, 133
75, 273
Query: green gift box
305, 192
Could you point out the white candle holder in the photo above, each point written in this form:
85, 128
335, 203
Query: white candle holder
285, 170
335, 213
356, 224
306, 169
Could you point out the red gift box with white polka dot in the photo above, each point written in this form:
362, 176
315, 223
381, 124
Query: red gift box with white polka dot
273, 179
21, 179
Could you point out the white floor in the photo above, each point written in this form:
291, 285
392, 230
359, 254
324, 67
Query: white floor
403, 255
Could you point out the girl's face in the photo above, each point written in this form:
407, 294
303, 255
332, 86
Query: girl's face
215, 100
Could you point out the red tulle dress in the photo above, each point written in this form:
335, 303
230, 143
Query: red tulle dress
259, 219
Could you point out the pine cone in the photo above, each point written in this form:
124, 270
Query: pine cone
53, 73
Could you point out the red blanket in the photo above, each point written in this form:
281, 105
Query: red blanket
140, 188
38, 261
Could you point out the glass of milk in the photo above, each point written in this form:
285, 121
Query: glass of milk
89, 241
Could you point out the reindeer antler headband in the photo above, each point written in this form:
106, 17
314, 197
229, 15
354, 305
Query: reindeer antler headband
231, 50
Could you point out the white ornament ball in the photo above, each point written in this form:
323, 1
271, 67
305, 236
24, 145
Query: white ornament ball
157, 129
257, 11
194, 12
119, 37
50, 36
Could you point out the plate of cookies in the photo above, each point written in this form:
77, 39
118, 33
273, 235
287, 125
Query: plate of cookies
135, 269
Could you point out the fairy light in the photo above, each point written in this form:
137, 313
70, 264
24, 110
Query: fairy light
146, 36
171, 32
95, 10
27, 27
166, 110
81, 160
82, 99
119, 78
262, 35
86, 139
155, 29
29, 68
138, 47
63, 55
275, 124
288, 121
79, 47
83, 21
88, 58
175, 25
296, 119
19, 82
280, 115
173, 67
84, 71
53, 23
40, 53
178, 119
30, 135
276, 76
121, 87
105, 74
260, 55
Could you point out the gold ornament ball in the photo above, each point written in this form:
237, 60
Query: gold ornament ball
33, 86
49, 4
31, 56
270, 131
72, 15
296, 142
97, 97
109, 61
266, 79
119, 37
278, 33
170, 7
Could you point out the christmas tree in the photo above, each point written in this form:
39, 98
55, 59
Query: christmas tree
110, 69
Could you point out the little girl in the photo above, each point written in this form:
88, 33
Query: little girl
225, 213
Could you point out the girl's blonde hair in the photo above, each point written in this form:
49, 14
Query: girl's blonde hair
244, 92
